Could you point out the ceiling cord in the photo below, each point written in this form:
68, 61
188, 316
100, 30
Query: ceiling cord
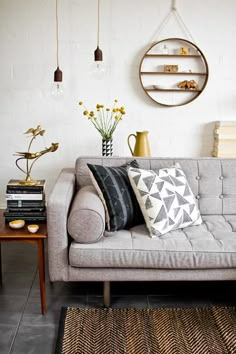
98, 24
57, 31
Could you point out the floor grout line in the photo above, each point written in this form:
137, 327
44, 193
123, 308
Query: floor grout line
22, 313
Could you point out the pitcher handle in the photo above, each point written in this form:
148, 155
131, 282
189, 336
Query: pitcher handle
132, 152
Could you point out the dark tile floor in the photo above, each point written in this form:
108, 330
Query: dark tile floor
23, 330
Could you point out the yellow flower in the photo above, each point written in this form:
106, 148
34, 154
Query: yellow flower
104, 119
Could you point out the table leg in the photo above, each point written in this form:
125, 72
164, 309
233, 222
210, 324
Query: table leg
40, 243
0, 264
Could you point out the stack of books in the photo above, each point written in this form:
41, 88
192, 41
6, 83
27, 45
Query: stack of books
224, 139
25, 202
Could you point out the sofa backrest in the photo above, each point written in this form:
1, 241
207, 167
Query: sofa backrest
212, 180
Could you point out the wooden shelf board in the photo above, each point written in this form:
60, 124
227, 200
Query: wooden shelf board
172, 90
173, 55
168, 73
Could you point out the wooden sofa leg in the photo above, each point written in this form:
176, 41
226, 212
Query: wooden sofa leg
106, 294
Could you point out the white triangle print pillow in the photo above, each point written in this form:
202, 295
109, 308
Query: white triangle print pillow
165, 198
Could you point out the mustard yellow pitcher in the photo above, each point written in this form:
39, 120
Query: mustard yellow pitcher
141, 147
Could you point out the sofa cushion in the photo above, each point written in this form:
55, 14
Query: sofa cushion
165, 198
115, 191
211, 180
211, 245
86, 206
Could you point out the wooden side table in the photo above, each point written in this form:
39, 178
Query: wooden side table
8, 234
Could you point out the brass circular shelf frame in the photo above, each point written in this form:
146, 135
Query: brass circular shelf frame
198, 55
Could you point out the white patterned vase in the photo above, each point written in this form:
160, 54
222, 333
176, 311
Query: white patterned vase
107, 147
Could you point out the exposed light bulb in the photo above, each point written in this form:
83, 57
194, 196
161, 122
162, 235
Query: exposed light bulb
99, 69
57, 90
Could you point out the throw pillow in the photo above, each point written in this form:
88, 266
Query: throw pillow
113, 187
165, 198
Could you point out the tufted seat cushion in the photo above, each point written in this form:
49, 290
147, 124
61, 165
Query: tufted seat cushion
207, 246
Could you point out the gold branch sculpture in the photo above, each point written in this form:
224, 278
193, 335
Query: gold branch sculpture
34, 156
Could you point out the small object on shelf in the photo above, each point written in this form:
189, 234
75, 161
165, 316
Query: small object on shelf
17, 224
188, 84
33, 228
184, 51
165, 49
171, 68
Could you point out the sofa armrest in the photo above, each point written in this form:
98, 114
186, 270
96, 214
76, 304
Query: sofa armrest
57, 213
86, 222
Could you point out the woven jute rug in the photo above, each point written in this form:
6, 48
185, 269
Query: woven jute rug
142, 331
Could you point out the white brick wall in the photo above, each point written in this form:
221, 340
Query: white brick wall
27, 63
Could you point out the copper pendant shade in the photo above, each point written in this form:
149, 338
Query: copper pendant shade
98, 54
58, 75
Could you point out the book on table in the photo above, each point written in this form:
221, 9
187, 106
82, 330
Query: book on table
16, 184
224, 136
226, 146
25, 201
25, 204
225, 123
225, 130
223, 154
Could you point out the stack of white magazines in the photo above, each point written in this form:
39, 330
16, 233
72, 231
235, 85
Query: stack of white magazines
224, 139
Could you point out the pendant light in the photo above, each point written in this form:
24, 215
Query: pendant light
57, 89
99, 67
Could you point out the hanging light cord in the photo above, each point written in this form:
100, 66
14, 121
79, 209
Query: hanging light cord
57, 33
98, 29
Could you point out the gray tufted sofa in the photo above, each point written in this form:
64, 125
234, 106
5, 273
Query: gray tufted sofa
204, 252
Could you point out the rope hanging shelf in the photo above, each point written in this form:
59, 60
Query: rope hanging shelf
173, 71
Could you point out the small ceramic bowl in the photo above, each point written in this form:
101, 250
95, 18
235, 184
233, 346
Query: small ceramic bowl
17, 224
33, 228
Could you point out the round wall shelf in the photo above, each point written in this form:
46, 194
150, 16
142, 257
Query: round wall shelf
173, 72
